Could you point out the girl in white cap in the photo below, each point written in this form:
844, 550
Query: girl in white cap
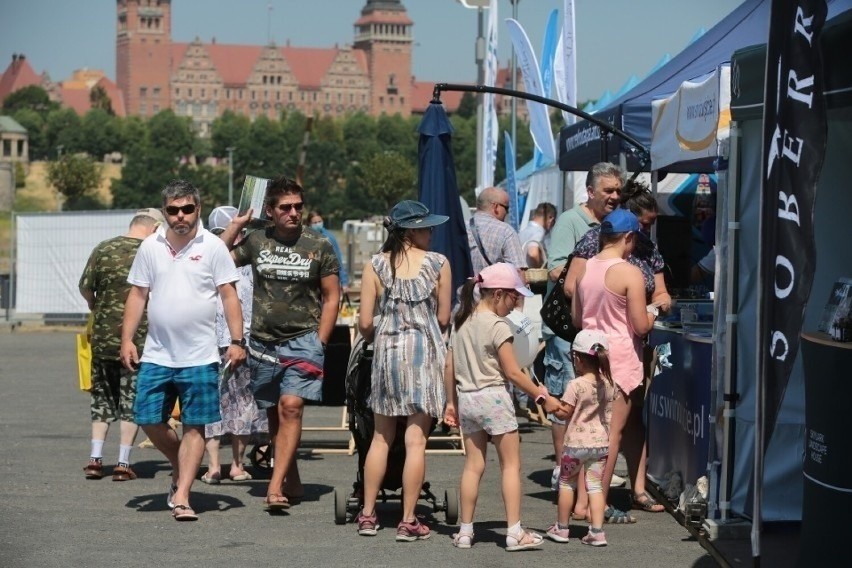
481, 364
588, 410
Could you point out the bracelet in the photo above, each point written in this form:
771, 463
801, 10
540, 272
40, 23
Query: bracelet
239, 342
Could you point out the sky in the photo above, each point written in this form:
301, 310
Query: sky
615, 38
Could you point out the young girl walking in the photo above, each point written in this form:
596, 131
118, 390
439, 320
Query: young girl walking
588, 410
481, 363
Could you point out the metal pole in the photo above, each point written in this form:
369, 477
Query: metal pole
479, 55
230, 150
514, 84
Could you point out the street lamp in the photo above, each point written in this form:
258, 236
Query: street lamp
230, 150
479, 51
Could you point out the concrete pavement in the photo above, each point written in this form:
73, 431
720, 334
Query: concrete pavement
53, 517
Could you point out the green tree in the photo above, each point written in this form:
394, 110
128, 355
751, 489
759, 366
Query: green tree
359, 137
389, 177
464, 155
32, 97
227, 131
467, 106
133, 131
211, 181
34, 123
262, 151
100, 133
62, 132
99, 99
74, 176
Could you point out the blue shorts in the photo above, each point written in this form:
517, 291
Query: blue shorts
158, 387
558, 369
293, 367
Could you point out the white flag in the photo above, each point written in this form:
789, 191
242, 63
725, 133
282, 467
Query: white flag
539, 119
565, 65
489, 116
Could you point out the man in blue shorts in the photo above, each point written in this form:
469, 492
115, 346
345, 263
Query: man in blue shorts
296, 295
179, 271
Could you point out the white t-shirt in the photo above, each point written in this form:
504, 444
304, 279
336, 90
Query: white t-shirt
475, 348
534, 235
183, 288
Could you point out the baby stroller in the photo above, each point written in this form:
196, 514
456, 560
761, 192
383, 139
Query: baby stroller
347, 504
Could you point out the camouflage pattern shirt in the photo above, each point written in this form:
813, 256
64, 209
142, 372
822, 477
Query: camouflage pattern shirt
287, 294
105, 276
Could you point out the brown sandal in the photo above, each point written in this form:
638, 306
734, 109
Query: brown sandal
276, 502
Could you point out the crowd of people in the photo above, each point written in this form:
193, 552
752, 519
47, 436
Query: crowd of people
233, 324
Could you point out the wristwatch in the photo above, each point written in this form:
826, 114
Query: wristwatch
541, 398
241, 342
652, 309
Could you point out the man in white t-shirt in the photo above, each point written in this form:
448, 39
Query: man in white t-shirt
535, 235
179, 271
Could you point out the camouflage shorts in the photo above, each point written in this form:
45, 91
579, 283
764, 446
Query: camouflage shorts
113, 391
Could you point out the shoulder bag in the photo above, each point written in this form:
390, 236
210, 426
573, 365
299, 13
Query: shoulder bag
556, 309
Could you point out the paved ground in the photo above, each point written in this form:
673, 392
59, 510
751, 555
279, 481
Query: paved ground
52, 516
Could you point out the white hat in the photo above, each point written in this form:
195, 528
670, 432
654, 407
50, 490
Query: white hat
221, 217
587, 341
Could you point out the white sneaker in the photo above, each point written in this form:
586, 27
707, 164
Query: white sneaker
554, 479
617, 481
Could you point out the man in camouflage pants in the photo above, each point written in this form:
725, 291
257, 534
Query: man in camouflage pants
104, 286
296, 294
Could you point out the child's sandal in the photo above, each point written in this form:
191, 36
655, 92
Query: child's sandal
462, 540
525, 540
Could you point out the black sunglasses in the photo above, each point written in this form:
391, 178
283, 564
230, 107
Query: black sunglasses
187, 209
287, 207
501, 205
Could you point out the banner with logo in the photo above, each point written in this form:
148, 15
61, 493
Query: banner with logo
528, 64
490, 128
794, 142
565, 64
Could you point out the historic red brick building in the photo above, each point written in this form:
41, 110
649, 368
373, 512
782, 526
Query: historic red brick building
202, 80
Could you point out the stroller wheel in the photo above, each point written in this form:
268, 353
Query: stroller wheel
261, 456
340, 506
451, 500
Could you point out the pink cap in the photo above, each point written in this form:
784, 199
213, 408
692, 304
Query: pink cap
502, 275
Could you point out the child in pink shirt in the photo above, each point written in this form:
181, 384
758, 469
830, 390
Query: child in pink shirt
588, 409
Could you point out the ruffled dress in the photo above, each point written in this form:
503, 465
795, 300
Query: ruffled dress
409, 350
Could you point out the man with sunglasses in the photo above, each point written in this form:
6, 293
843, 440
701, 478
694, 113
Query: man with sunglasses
296, 295
179, 271
490, 238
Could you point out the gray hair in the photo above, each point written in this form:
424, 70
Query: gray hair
144, 221
178, 188
604, 169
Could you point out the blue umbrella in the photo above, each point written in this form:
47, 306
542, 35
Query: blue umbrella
439, 191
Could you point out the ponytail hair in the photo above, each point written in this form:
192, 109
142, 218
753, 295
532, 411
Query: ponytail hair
599, 362
466, 301
394, 244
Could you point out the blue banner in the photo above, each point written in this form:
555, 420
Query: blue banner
511, 185
548, 55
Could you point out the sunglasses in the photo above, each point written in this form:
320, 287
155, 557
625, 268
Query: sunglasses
287, 207
504, 206
187, 209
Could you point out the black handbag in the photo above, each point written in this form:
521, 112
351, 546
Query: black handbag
556, 309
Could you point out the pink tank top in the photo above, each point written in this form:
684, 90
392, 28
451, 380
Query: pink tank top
606, 311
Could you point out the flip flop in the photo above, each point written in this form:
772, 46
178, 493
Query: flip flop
184, 513
211, 478
276, 502
244, 476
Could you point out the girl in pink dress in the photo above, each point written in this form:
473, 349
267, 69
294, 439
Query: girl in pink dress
610, 297
588, 409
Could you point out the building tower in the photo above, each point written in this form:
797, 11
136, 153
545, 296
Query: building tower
143, 55
384, 33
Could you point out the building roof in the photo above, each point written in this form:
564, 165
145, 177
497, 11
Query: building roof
384, 18
9, 124
18, 75
76, 93
421, 95
235, 63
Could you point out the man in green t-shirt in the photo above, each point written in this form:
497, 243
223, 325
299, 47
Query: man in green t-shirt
294, 309
104, 286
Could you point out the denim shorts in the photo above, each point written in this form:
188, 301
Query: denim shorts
558, 369
293, 367
158, 387
488, 409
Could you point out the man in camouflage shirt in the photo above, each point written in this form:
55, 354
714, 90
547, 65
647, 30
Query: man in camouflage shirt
104, 286
294, 309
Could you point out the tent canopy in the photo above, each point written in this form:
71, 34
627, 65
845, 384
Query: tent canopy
744, 26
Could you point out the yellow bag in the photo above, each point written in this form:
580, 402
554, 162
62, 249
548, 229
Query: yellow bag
84, 358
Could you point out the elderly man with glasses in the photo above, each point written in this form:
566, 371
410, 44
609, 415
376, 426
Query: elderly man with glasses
491, 239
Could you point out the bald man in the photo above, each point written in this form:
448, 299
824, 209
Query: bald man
491, 239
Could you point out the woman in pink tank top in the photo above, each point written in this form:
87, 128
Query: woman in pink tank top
610, 297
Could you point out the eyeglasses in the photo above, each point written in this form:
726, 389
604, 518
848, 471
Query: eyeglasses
501, 205
187, 209
287, 207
